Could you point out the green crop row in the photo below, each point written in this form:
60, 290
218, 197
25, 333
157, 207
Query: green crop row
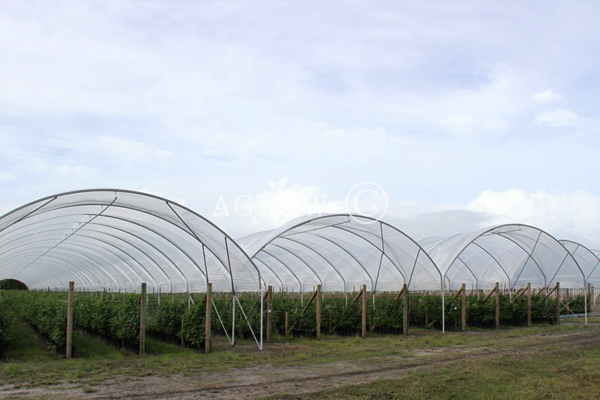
178, 319
117, 316
6, 324
384, 314
47, 312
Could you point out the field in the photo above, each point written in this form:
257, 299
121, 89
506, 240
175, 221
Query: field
543, 362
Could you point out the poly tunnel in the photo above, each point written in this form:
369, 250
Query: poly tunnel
112, 239
340, 252
587, 260
511, 254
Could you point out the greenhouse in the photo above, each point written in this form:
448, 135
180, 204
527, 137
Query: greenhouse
587, 260
115, 240
341, 253
110, 245
511, 254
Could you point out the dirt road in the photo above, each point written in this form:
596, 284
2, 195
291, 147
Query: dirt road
288, 381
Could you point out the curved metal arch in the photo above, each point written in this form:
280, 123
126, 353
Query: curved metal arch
373, 283
118, 206
84, 255
272, 272
166, 238
284, 229
66, 255
77, 272
468, 268
318, 278
420, 250
21, 255
580, 246
94, 216
191, 230
529, 257
100, 265
176, 268
148, 257
322, 257
89, 222
263, 261
135, 271
374, 245
552, 238
51, 278
495, 260
487, 230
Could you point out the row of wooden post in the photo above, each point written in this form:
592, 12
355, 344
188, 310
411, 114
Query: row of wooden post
404, 294
143, 318
317, 296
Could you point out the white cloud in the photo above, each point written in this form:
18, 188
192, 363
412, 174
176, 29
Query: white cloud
130, 151
355, 143
461, 123
195, 99
548, 96
568, 215
559, 118
6, 176
76, 171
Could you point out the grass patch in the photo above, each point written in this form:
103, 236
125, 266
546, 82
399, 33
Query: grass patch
97, 362
554, 373
88, 389
88, 348
25, 346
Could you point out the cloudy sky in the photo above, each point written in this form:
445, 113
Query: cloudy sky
465, 113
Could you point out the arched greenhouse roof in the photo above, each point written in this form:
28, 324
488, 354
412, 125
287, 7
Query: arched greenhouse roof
511, 254
115, 240
340, 252
587, 260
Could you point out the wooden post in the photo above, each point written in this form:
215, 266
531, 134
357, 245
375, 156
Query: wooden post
589, 294
318, 311
364, 311
464, 308
287, 324
529, 305
404, 310
208, 333
269, 307
69, 344
557, 303
182, 341
143, 320
497, 306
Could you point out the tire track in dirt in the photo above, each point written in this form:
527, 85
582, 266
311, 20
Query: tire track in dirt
291, 381
250, 383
